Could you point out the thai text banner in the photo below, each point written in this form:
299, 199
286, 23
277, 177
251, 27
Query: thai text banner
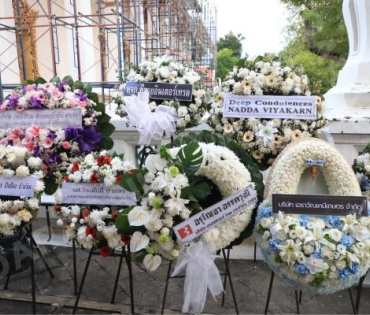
320, 204
209, 218
97, 194
270, 107
18, 186
44, 118
161, 91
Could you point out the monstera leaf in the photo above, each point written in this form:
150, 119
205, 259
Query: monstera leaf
223, 140
190, 157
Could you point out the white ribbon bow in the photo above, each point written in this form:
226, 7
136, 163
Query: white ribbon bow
151, 125
201, 273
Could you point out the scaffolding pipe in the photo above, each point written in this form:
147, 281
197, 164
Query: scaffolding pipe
52, 45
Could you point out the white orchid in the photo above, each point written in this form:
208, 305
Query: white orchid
176, 205
318, 237
266, 132
315, 265
290, 251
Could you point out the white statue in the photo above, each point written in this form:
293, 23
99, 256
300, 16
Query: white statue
351, 96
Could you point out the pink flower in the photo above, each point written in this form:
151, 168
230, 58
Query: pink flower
29, 88
57, 95
4, 141
28, 144
47, 85
3, 107
16, 133
34, 131
41, 96
19, 108
47, 143
66, 145
82, 104
72, 103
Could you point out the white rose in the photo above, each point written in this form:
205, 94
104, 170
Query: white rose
265, 223
164, 72
335, 235
308, 249
182, 111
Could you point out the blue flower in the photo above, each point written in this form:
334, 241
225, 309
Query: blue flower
347, 240
317, 255
303, 220
266, 212
355, 268
301, 269
365, 183
273, 243
333, 221
344, 273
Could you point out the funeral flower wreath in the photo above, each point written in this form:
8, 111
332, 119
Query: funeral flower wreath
182, 181
361, 166
18, 211
92, 226
56, 145
323, 254
264, 139
165, 70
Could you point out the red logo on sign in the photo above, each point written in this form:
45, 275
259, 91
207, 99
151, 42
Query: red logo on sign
185, 231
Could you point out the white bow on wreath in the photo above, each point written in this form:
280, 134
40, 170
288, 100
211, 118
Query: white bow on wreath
201, 274
151, 125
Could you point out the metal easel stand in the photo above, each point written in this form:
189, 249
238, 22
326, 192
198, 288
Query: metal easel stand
144, 154
125, 253
226, 274
298, 296
33, 245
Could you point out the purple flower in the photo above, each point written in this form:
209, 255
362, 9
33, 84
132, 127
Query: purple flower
81, 96
36, 103
87, 138
13, 101
52, 135
61, 86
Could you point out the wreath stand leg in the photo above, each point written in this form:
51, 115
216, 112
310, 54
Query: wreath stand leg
227, 275
298, 296
48, 222
128, 261
359, 291
33, 243
82, 281
255, 252
33, 282
74, 266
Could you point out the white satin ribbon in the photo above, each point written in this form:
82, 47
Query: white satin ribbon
151, 125
201, 274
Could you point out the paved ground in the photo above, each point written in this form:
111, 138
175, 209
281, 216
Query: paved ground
251, 280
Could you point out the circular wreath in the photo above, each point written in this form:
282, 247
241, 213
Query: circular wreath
17, 211
264, 139
323, 254
56, 145
180, 181
165, 70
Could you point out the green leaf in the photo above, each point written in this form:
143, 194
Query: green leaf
106, 143
55, 79
133, 181
196, 192
190, 157
40, 81
87, 88
106, 129
95, 98
120, 156
50, 186
164, 153
104, 118
29, 82
78, 85
69, 80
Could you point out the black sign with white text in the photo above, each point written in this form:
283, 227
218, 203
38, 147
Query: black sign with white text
320, 204
161, 91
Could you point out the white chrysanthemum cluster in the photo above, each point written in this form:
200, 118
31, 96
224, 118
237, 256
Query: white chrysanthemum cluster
14, 213
91, 227
289, 167
98, 167
165, 182
263, 138
165, 70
